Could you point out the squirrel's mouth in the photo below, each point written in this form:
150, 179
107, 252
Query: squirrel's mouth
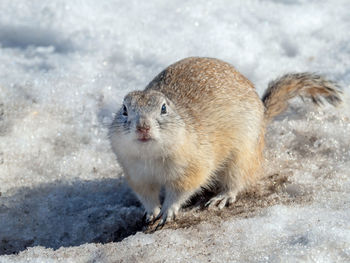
144, 137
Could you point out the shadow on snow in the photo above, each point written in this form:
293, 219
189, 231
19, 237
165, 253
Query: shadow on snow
62, 214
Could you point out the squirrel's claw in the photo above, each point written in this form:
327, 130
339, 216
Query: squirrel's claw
158, 216
150, 218
221, 200
165, 217
169, 216
160, 224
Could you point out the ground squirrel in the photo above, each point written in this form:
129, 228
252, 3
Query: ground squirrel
197, 123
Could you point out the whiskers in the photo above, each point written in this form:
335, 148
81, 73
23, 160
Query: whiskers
118, 126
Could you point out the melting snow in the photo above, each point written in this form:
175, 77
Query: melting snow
65, 67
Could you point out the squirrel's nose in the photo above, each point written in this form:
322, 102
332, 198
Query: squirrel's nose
143, 129
142, 125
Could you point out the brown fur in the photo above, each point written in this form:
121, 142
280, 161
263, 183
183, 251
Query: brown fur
207, 91
299, 84
224, 121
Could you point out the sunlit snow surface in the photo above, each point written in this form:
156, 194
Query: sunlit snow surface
64, 69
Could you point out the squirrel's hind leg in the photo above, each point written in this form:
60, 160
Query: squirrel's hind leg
238, 173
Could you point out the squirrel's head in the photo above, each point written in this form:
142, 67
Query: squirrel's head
146, 123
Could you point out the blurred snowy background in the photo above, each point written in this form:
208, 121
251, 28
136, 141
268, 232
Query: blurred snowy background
64, 69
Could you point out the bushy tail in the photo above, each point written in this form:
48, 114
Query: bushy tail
288, 86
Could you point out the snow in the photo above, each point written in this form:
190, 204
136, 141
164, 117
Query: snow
65, 67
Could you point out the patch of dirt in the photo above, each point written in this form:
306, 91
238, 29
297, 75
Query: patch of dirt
270, 190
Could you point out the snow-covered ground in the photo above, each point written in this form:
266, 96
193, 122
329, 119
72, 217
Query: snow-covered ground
64, 69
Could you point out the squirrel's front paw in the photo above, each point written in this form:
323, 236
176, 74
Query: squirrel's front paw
152, 216
167, 215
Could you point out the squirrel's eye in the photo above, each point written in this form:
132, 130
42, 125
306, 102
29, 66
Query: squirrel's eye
163, 111
125, 111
